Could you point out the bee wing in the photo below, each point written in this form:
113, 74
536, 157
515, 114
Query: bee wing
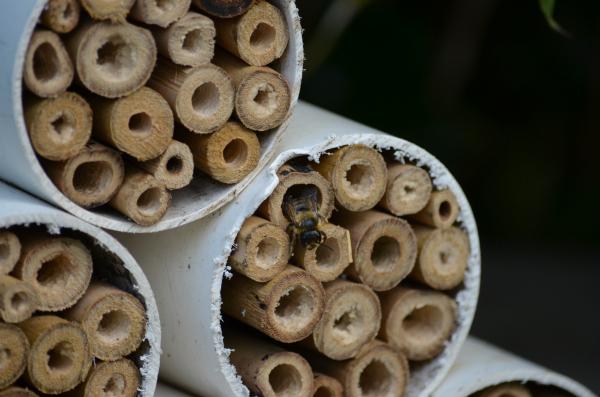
313, 199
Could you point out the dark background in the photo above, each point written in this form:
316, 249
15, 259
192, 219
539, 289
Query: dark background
513, 109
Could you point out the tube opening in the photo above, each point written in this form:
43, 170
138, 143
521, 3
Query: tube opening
206, 99
149, 201
5, 356
114, 326
174, 165
423, 322
115, 56
445, 257
376, 380
295, 192
63, 125
140, 123
267, 253
165, 5
295, 308
328, 253
115, 386
68, 11
92, 177
266, 98
285, 380
46, 64
385, 253
55, 272
192, 41
60, 357
324, 391
235, 152
19, 302
360, 178
445, 210
263, 37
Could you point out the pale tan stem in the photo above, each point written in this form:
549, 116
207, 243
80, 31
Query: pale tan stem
18, 392
408, 189
268, 370
326, 386
18, 300
114, 10
201, 98
262, 250
141, 197
228, 155
258, 37
48, 70
112, 59
329, 260
441, 211
14, 350
224, 8
287, 308
159, 12
290, 179
59, 358
61, 15
174, 168
140, 124
443, 257
505, 390
358, 175
384, 248
10, 251
189, 41
58, 268
58, 127
262, 96
90, 178
351, 319
417, 322
119, 378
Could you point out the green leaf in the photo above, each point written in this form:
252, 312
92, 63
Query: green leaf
547, 7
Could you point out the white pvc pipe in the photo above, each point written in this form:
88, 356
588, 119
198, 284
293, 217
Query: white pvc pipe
186, 266
163, 390
20, 166
112, 261
482, 365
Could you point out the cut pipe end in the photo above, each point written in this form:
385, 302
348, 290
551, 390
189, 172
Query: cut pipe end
441, 211
117, 378
326, 386
14, 350
159, 12
114, 10
17, 392
189, 41
408, 189
18, 300
10, 251
285, 374
62, 16
174, 168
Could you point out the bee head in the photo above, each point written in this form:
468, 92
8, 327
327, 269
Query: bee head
311, 239
308, 224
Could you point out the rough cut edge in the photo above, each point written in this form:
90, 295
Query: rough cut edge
35, 212
425, 378
291, 67
482, 365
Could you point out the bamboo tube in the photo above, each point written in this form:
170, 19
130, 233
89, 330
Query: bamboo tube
14, 349
292, 179
140, 124
443, 257
113, 320
18, 300
377, 371
159, 12
351, 319
408, 189
258, 37
441, 211
228, 155
384, 248
262, 96
141, 197
190, 41
112, 60
17, 392
224, 8
58, 127
90, 178
48, 70
119, 378
261, 251
417, 323
61, 15
58, 268
10, 251
329, 260
174, 168
268, 370
326, 386
201, 97
114, 10
358, 175
59, 358
505, 390
287, 308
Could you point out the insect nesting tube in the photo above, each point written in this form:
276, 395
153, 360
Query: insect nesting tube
76, 295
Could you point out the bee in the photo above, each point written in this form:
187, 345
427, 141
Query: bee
301, 209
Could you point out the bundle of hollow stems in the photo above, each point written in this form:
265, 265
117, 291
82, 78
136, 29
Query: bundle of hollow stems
124, 99
62, 330
348, 268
